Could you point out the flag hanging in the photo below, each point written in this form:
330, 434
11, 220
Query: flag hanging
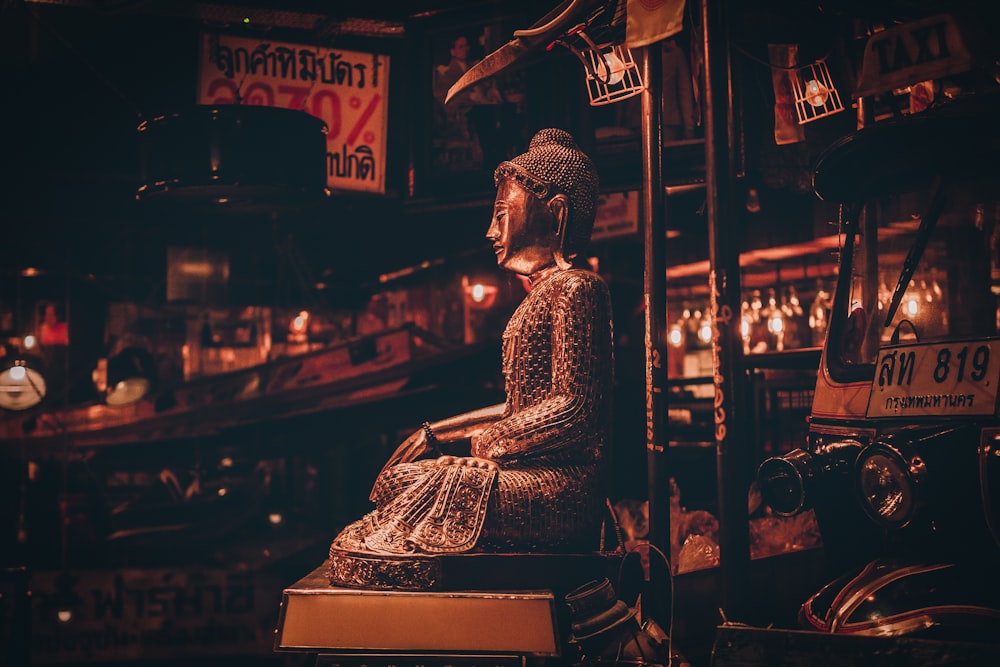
649, 21
784, 58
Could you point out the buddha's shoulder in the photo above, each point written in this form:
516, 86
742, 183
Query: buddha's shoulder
578, 279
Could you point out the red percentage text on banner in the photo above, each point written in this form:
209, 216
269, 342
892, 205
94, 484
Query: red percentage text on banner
363, 119
325, 104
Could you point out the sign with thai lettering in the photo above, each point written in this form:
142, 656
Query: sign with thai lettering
617, 215
427, 660
936, 379
132, 614
931, 48
347, 89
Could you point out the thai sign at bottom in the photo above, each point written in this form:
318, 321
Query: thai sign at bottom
102, 616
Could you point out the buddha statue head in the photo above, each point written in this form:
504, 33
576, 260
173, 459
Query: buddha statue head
546, 201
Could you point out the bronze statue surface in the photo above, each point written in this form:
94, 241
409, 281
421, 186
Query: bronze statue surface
527, 475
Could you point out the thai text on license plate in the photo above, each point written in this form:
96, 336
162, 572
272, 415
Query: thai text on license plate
936, 379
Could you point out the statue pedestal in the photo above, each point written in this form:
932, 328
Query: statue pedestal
484, 627
351, 626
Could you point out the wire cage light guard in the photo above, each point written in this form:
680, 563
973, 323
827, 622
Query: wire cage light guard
612, 74
815, 94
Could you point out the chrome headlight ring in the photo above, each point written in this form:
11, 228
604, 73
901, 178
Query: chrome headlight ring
889, 481
783, 482
796, 481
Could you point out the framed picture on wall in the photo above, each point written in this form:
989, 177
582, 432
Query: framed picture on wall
480, 126
50, 323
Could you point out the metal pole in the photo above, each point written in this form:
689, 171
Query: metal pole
734, 456
655, 294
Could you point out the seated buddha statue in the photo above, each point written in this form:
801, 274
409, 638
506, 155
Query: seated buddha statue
527, 475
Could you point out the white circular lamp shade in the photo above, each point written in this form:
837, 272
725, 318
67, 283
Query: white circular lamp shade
131, 374
21, 386
128, 391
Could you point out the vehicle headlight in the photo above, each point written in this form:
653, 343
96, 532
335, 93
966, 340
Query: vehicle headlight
796, 481
888, 481
783, 481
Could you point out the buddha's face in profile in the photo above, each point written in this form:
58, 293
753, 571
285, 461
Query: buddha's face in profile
524, 230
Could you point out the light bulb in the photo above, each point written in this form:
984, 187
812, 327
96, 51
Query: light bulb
611, 69
478, 293
912, 306
816, 93
17, 373
675, 337
29, 342
300, 322
705, 333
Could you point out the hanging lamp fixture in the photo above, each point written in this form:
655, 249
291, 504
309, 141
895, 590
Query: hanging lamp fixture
815, 95
22, 383
131, 374
611, 72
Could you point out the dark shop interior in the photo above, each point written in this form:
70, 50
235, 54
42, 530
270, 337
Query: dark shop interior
499, 333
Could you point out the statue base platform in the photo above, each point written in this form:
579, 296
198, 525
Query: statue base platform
494, 605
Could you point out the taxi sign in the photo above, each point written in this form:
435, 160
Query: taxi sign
957, 378
930, 48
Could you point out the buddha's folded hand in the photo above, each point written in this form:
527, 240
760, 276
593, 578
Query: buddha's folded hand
470, 461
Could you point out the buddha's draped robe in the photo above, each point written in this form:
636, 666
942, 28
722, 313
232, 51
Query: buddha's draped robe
549, 489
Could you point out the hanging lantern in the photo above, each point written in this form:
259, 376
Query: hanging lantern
815, 94
22, 384
612, 73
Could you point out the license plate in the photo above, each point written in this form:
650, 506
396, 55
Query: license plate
936, 379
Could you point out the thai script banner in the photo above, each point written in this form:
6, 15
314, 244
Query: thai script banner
134, 614
347, 89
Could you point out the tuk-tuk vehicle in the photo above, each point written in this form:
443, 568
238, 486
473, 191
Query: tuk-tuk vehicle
902, 461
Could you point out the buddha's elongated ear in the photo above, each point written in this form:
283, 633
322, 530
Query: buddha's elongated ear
559, 207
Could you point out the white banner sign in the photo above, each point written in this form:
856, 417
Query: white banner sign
347, 89
617, 215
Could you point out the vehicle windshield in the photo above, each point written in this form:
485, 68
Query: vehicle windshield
949, 288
